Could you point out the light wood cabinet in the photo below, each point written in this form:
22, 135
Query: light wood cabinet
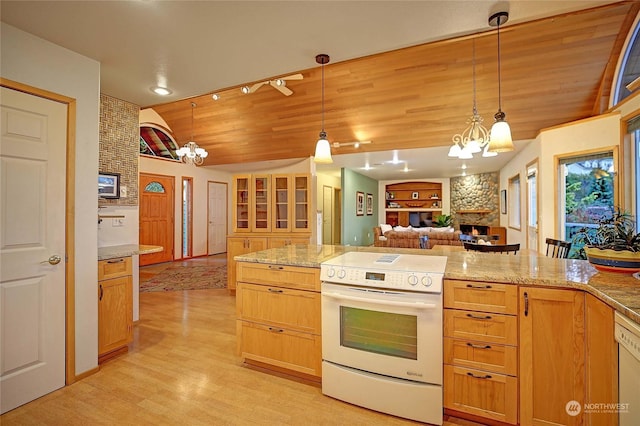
115, 306
278, 318
291, 203
480, 350
552, 355
602, 361
237, 245
251, 203
282, 241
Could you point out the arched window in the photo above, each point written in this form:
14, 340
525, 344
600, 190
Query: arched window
156, 141
154, 187
629, 67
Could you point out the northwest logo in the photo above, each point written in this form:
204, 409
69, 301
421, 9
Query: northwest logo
573, 408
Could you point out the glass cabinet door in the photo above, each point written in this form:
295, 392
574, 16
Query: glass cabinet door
261, 216
241, 208
280, 200
301, 207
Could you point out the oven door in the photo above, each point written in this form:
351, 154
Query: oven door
393, 333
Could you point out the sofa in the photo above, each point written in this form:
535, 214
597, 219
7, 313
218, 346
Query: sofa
408, 237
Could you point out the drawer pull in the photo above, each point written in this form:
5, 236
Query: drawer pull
276, 268
116, 260
526, 304
276, 330
478, 286
471, 345
101, 292
275, 290
486, 376
486, 317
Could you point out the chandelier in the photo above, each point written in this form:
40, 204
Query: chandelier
475, 138
191, 153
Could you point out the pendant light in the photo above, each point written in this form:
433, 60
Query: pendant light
191, 153
323, 149
500, 138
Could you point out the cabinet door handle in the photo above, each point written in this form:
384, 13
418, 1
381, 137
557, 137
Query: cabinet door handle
480, 317
471, 345
116, 260
276, 268
486, 376
478, 286
275, 290
101, 292
276, 330
526, 304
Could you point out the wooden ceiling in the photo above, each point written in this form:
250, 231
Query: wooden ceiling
554, 71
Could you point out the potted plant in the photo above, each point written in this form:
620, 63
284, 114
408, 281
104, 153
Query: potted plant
614, 246
443, 221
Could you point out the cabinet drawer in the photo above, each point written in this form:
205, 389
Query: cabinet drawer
279, 275
280, 347
113, 268
493, 396
481, 296
481, 327
482, 356
281, 307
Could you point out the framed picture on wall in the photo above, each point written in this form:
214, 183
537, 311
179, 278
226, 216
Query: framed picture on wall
503, 201
108, 185
369, 204
359, 203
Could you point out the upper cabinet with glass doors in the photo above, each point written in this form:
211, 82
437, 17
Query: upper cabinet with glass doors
290, 202
271, 203
251, 203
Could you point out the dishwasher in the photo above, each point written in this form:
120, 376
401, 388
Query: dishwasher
627, 335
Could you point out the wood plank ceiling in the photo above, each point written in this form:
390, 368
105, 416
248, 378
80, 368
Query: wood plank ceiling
554, 71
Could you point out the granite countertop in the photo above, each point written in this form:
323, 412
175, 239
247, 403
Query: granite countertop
622, 292
125, 250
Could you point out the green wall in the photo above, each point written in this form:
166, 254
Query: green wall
358, 230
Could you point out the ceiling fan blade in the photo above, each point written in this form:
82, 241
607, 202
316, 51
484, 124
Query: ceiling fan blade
257, 86
282, 88
293, 77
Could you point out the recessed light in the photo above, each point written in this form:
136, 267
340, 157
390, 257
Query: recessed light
215, 96
162, 91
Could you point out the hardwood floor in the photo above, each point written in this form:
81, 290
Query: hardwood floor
182, 369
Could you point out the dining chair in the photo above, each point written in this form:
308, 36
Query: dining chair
493, 248
558, 248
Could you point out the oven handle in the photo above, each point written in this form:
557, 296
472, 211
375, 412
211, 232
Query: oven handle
339, 296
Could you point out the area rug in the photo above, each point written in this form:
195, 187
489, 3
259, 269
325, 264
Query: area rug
186, 277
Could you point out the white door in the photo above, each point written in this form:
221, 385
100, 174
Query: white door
32, 231
217, 218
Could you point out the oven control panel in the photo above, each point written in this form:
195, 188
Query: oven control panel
427, 282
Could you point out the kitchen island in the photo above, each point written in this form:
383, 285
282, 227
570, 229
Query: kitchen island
524, 334
621, 292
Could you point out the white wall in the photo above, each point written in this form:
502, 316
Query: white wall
201, 176
33, 61
583, 135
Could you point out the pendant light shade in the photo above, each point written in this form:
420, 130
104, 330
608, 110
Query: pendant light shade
323, 149
500, 136
191, 153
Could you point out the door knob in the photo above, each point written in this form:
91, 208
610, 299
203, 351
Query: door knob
53, 260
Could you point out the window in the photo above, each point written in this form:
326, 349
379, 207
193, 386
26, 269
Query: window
632, 197
514, 202
629, 67
187, 220
586, 192
157, 142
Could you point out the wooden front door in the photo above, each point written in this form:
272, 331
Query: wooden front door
156, 216
32, 239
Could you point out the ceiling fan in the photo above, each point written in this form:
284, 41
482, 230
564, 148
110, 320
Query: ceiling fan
278, 83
